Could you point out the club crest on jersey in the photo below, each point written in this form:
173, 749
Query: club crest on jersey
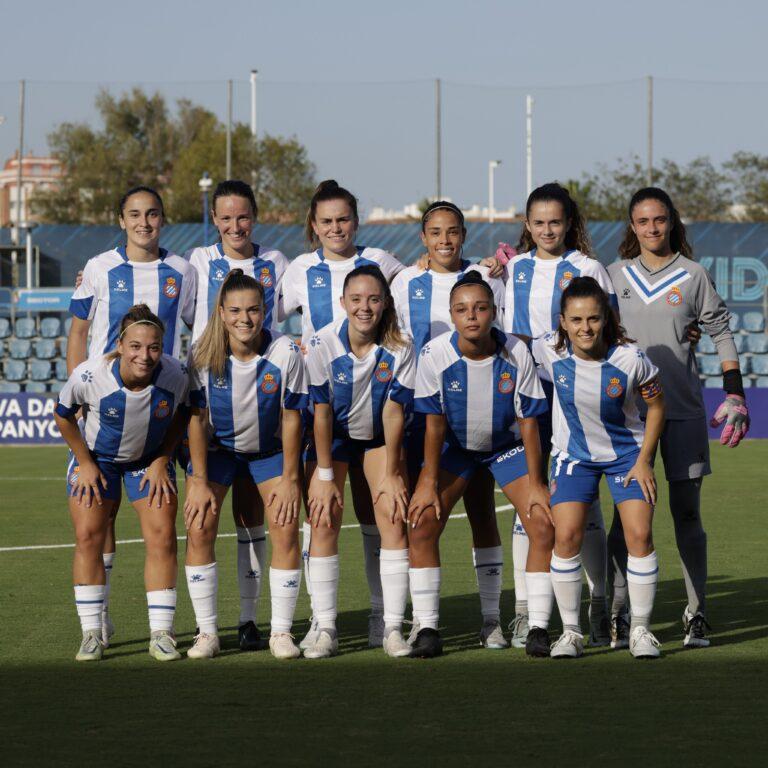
170, 289
74, 477
565, 280
265, 278
383, 373
455, 386
506, 384
162, 411
675, 297
614, 388
120, 286
269, 384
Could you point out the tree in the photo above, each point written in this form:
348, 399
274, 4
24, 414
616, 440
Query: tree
749, 174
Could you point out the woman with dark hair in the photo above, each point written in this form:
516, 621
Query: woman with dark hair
234, 213
661, 291
597, 372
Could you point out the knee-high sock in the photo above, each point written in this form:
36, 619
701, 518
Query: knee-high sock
306, 537
519, 559
425, 596
89, 601
284, 591
203, 586
251, 564
540, 598
488, 562
642, 577
566, 583
371, 549
161, 605
685, 505
394, 585
325, 589
617, 573
109, 564
594, 553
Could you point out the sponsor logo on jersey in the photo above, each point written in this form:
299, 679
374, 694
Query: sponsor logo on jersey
341, 378
506, 384
111, 412
562, 380
170, 289
675, 297
425, 350
220, 382
319, 282
521, 277
218, 275
565, 280
162, 411
86, 376
269, 384
120, 287
626, 293
614, 388
510, 453
314, 341
619, 479
455, 386
293, 346
383, 373
266, 278
419, 294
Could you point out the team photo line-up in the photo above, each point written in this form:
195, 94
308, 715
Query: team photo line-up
537, 369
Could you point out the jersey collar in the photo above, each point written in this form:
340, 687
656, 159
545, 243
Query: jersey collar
562, 258
220, 250
642, 265
498, 336
122, 252
358, 248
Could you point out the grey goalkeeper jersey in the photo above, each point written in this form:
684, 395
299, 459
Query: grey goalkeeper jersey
656, 309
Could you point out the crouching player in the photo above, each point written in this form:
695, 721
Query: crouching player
132, 396
597, 431
480, 391
361, 372
248, 386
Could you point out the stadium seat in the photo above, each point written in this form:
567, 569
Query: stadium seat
759, 364
757, 343
738, 340
709, 365
55, 388
20, 349
67, 324
37, 387
15, 370
50, 327
45, 349
39, 370
63, 346
762, 382
10, 387
61, 370
735, 323
706, 346
5, 327
713, 382
292, 326
754, 322
25, 328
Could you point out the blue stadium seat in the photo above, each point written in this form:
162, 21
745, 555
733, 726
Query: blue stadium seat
36, 386
45, 349
754, 322
15, 370
738, 340
735, 323
63, 346
709, 365
5, 327
19, 349
39, 370
759, 364
55, 388
762, 382
25, 328
292, 326
10, 387
67, 324
713, 382
757, 343
50, 327
61, 370
706, 346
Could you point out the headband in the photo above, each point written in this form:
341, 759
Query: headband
139, 322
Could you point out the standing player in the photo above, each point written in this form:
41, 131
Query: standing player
597, 431
248, 387
361, 372
422, 300
480, 392
554, 248
661, 291
312, 285
112, 282
133, 395
234, 214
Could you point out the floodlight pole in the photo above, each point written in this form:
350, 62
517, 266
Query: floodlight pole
528, 145
438, 142
17, 230
650, 131
229, 129
492, 166
254, 75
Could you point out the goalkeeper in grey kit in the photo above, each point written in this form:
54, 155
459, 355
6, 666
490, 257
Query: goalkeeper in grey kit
660, 292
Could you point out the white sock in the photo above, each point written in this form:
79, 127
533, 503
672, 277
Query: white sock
566, 584
488, 562
425, 596
203, 584
161, 604
642, 577
371, 550
109, 562
519, 559
89, 600
284, 590
325, 588
251, 563
594, 552
306, 537
540, 598
394, 585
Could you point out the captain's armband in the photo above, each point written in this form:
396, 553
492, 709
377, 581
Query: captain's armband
651, 390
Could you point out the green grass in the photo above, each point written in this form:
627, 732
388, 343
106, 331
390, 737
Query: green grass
471, 706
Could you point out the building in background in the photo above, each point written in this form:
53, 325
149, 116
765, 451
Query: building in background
37, 173
412, 212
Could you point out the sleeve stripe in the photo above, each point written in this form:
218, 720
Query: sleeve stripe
430, 404
81, 308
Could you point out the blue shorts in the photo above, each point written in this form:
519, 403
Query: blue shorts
224, 466
579, 480
116, 473
506, 466
347, 450
414, 448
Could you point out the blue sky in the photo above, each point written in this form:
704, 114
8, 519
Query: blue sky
352, 80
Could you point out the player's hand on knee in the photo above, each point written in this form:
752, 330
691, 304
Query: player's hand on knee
642, 472
199, 501
90, 480
425, 497
161, 486
393, 488
284, 502
734, 412
323, 494
538, 496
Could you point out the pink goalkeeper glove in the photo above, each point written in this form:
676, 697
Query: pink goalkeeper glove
504, 253
734, 413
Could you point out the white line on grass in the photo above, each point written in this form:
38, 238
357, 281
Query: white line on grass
183, 538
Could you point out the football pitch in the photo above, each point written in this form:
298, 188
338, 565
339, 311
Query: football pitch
470, 707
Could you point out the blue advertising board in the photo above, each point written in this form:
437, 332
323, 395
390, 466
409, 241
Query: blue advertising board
42, 299
27, 419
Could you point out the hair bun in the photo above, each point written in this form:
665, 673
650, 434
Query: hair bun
327, 185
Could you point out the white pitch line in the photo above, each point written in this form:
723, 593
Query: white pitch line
183, 538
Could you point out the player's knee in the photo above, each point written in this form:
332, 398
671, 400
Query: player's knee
568, 540
541, 532
89, 540
639, 539
425, 535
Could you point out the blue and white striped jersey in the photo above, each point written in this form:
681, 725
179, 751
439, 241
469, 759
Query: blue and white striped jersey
535, 285
481, 399
123, 425
357, 389
112, 285
314, 284
595, 415
422, 300
212, 265
245, 404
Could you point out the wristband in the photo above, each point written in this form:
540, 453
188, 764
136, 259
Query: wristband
733, 383
325, 473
